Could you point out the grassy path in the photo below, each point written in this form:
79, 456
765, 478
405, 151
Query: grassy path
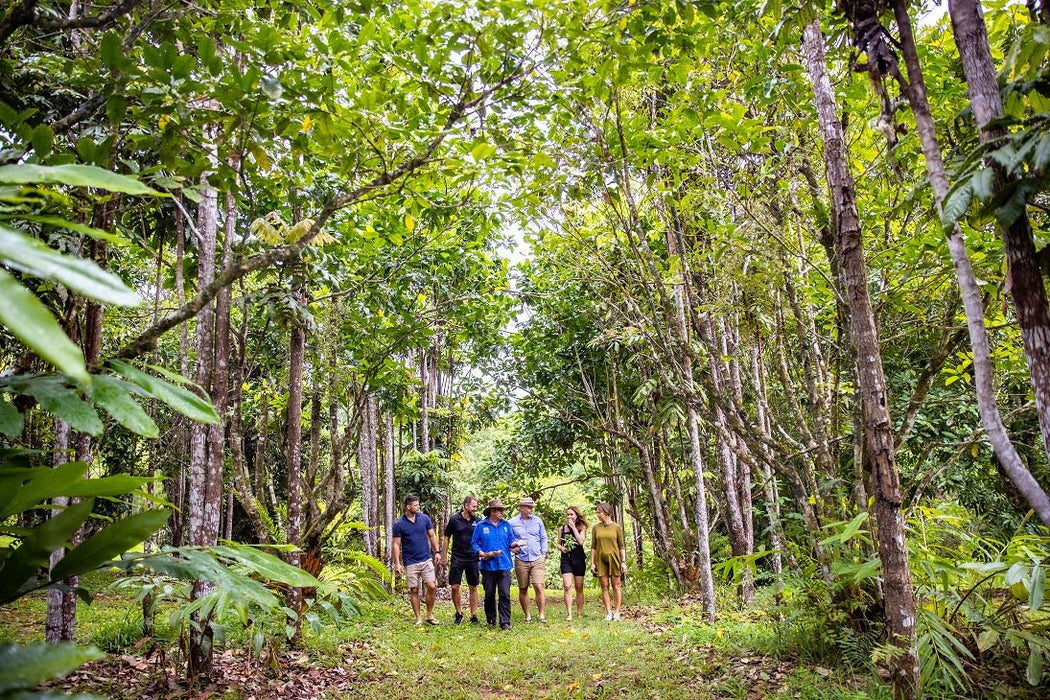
657, 651
652, 653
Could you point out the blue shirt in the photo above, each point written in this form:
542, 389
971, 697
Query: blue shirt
491, 538
534, 534
415, 544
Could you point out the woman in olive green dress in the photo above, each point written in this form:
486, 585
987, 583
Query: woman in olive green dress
608, 554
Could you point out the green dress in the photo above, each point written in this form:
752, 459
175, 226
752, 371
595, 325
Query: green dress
607, 542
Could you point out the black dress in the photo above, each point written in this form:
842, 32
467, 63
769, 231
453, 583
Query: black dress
573, 561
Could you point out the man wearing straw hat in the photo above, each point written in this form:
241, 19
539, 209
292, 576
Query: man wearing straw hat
493, 539
530, 562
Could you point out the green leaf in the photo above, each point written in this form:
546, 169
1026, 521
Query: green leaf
26, 567
74, 176
182, 400
109, 543
114, 395
269, 566
1041, 154
1036, 582
111, 50
11, 421
42, 139
24, 488
116, 109
31, 322
483, 151
84, 276
983, 183
26, 666
956, 203
1015, 573
1034, 672
987, 639
89, 231
1014, 206
54, 396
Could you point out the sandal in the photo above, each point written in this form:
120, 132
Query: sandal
432, 621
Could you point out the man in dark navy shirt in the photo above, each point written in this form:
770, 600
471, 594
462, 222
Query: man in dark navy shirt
462, 559
414, 541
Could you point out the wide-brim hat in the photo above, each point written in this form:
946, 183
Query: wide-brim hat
494, 504
527, 502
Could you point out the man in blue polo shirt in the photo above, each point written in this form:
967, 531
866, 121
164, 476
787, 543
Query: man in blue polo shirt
492, 541
416, 544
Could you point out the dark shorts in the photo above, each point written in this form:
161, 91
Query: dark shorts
458, 568
577, 566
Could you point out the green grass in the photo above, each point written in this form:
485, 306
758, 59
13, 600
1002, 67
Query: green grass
660, 650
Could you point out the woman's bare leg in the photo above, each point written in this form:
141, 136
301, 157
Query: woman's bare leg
566, 581
579, 596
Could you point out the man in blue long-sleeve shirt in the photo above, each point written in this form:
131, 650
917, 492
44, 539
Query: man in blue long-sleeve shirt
531, 559
492, 540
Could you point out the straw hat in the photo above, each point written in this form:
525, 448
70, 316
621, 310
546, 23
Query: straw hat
527, 502
494, 504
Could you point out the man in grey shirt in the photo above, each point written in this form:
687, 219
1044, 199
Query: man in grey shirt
531, 557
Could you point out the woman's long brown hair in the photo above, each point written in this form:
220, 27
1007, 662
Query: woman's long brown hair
579, 516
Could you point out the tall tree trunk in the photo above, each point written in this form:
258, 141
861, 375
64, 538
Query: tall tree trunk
293, 444
57, 627
178, 517
424, 404
897, 587
388, 485
769, 484
1025, 278
205, 481
368, 464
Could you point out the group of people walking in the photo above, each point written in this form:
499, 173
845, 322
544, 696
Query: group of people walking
487, 551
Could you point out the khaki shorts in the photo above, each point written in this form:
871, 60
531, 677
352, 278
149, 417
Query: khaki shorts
422, 571
530, 572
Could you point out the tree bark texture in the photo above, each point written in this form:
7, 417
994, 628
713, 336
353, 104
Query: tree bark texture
293, 445
388, 485
898, 593
367, 460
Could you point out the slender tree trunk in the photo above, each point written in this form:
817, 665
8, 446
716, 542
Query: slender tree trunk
57, 627
769, 484
178, 517
388, 485
205, 484
368, 464
897, 587
293, 443
424, 406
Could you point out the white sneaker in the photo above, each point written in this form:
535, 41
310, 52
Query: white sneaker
616, 615
608, 616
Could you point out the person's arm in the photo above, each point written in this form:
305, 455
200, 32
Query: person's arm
579, 534
557, 542
395, 554
594, 550
544, 547
475, 544
447, 537
623, 547
432, 537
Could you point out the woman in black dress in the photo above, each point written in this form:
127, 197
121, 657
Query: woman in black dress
571, 536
